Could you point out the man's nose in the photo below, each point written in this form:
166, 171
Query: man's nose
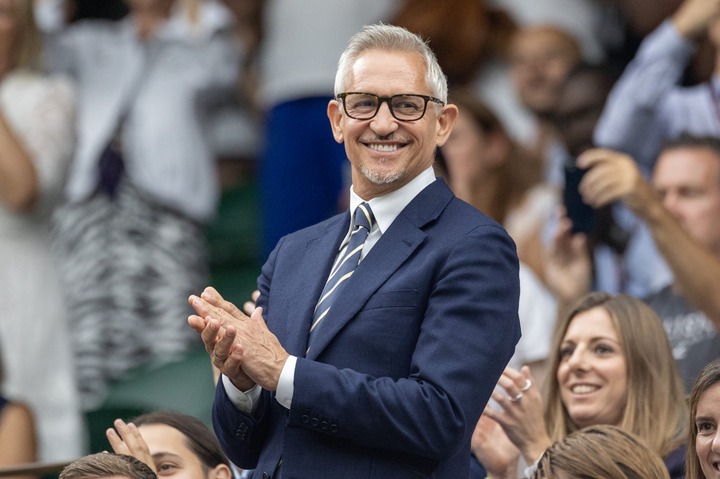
670, 201
384, 122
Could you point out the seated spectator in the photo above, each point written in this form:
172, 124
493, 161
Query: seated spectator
703, 454
171, 443
601, 451
681, 207
611, 364
107, 465
36, 143
648, 105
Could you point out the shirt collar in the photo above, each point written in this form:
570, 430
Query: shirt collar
387, 207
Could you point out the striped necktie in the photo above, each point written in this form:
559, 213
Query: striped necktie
363, 223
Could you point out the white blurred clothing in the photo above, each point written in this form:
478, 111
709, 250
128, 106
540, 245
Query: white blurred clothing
35, 344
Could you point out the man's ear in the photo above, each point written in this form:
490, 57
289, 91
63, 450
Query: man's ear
335, 116
221, 471
445, 123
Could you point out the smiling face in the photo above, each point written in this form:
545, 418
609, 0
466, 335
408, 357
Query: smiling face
540, 59
592, 374
172, 456
386, 153
707, 441
688, 181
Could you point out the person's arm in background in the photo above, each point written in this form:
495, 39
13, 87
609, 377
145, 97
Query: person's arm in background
634, 119
643, 16
18, 436
19, 185
567, 265
614, 176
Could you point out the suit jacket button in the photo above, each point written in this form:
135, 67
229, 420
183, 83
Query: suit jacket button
324, 425
304, 419
266, 475
333, 428
314, 422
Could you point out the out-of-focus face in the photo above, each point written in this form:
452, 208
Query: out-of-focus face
466, 149
707, 441
540, 59
149, 4
714, 32
386, 153
688, 181
578, 109
171, 454
592, 374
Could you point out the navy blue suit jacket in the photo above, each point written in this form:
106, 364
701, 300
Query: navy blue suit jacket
408, 359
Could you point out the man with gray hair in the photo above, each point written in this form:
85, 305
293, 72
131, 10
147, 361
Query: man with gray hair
379, 334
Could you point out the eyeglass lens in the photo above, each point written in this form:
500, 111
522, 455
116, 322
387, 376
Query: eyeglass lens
362, 106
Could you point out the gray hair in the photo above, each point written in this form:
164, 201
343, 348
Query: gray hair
392, 39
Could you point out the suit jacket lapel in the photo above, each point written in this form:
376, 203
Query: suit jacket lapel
391, 251
309, 274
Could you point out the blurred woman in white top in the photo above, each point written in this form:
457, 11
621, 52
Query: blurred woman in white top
36, 143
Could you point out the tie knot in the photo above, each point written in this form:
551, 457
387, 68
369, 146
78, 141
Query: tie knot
364, 216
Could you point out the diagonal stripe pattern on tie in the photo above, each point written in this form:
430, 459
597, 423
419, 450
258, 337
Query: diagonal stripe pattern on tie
363, 222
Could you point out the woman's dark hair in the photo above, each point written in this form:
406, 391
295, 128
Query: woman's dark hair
200, 439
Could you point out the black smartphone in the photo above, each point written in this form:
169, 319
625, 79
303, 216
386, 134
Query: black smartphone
582, 215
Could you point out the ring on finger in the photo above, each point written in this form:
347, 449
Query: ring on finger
528, 384
517, 397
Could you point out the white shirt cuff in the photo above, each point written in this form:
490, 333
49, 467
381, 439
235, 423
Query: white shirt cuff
246, 401
286, 383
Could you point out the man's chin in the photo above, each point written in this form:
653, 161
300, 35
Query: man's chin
381, 177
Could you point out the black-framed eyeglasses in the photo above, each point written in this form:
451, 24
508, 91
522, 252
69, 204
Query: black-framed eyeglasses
404, 107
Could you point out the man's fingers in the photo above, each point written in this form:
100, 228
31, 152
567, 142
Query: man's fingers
197, 323
201, 307
209, 334
222, 347
220, 308
249, 307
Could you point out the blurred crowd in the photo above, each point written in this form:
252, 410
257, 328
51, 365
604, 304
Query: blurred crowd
590, 129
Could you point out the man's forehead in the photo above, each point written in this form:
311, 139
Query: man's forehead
684, 163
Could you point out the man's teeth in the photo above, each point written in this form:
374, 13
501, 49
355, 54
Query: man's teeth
383, 147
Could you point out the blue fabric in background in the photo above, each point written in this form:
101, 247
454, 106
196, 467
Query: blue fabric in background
301, 169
